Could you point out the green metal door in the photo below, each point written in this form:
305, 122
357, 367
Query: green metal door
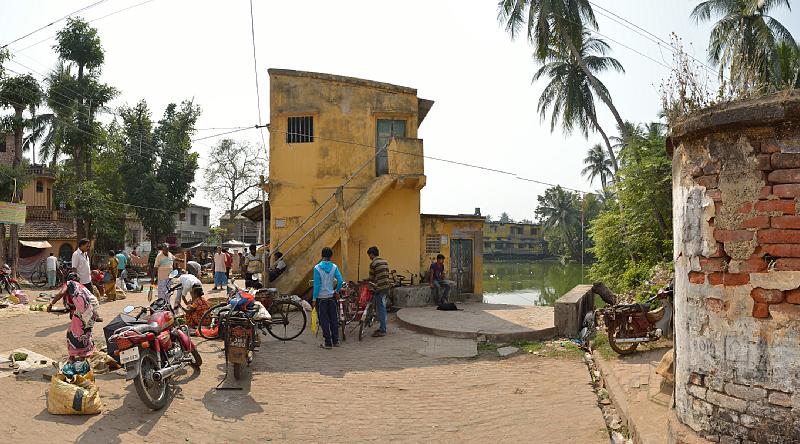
461, 264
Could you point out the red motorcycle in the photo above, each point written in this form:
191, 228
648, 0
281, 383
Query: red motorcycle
152, 348
7, 282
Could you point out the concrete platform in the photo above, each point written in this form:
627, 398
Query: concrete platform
496, 322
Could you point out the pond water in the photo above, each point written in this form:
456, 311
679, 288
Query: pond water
529, 283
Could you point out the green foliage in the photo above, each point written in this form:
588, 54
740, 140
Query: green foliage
505, 218
159, 169
217, 235
597, 165
20, 92
559, 212
7, 175
629, 244
79, 43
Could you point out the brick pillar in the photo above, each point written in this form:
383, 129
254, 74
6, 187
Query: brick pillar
736, 184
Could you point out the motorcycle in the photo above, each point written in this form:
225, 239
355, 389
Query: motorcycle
153, 348
629, 325
7, 282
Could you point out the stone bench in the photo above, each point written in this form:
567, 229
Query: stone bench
420, 295
571, 308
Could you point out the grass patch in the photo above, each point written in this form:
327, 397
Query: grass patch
562, 348
486, 346
600, 343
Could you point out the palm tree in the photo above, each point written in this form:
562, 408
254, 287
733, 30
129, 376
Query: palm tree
555, 24
745, 38
786, 66
559, 211
597, 165
570, 93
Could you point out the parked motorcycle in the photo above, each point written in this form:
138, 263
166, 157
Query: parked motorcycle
153, 348
7, 282
629, 325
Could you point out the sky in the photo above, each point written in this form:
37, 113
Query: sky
454, 52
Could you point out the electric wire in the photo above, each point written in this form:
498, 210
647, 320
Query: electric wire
255, 71
53, 22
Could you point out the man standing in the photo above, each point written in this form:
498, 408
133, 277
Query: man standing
82, 267
122, 263
164, 263
437, 282
379, 276
325, 272
253, 265
219, 269
52, 266
228, 264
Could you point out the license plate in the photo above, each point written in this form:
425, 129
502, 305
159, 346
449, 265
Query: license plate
129, 355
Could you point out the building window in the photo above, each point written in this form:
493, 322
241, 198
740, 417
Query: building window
192, 219
182, 217
386, 130
300, 130
205, 220
432, 243
39, 186
534, 231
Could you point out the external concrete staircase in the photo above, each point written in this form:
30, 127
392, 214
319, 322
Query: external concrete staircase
325, 231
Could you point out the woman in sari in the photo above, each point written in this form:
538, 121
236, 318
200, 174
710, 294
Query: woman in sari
110, 277
79, 335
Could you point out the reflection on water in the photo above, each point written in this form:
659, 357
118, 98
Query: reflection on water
529, 283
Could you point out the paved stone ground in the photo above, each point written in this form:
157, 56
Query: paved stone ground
502, 322
378, 390
641, 395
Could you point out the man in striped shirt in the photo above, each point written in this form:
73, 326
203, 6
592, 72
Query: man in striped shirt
379, 275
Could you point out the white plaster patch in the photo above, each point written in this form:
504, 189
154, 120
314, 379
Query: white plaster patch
776, 280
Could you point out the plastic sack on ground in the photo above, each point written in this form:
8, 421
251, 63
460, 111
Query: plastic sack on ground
314, 320
78, 396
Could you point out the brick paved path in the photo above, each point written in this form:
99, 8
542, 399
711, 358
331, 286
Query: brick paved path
378, 390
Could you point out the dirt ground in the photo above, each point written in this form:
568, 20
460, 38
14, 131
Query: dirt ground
378, 390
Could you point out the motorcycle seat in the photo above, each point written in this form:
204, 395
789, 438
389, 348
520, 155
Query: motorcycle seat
148, 327
655, 315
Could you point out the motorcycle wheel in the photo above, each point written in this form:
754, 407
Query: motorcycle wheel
237, 371
155, 395
197, 360
619, 348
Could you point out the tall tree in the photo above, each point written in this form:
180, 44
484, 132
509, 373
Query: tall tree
232, 176
745, 39
553, 24
569, 92
160, 177
505, 218
597, 165
20, 93
559, 212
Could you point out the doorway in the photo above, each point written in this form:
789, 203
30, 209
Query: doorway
386, 130
461, 270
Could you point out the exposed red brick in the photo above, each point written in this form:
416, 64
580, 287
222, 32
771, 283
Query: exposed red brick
782, 250
695, 277
709, 181
714, 194
713, 264
785, 176
767, 296
774, 236
784, 160
719, 252
784, 206
728, 279
769, 146
697, 171
763, 162
786, 190
752, 265
746, 208
793, 296
757, 222
718, 208
765, 192
760, 310
787, 264
734, 235
697, 379
791, 222
715, 305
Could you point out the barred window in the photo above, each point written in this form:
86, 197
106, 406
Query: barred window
300, 130
432, 244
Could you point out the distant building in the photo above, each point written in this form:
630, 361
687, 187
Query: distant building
511, 240
241, 228
191, 228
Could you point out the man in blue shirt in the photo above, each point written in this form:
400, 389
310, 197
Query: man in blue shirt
325, 272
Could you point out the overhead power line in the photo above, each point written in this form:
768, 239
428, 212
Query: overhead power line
54, 22
255, 71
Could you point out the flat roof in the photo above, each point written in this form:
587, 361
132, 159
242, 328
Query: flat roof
455, 216
343, 79
534, 224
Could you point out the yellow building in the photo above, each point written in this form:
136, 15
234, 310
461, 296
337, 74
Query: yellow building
503, 240
345, 171
460, 240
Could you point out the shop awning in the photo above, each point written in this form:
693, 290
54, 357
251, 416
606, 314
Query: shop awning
36, 244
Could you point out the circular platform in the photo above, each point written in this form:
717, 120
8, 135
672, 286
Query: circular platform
494, 321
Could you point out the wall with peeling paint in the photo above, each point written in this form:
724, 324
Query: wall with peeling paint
736, 185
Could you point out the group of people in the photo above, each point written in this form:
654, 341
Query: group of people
328, 281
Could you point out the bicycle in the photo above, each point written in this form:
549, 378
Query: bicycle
39, 276
285, 311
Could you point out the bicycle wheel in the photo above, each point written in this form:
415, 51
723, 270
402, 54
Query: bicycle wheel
288, 320
38, 278
342, 310
209, 323
364, 322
